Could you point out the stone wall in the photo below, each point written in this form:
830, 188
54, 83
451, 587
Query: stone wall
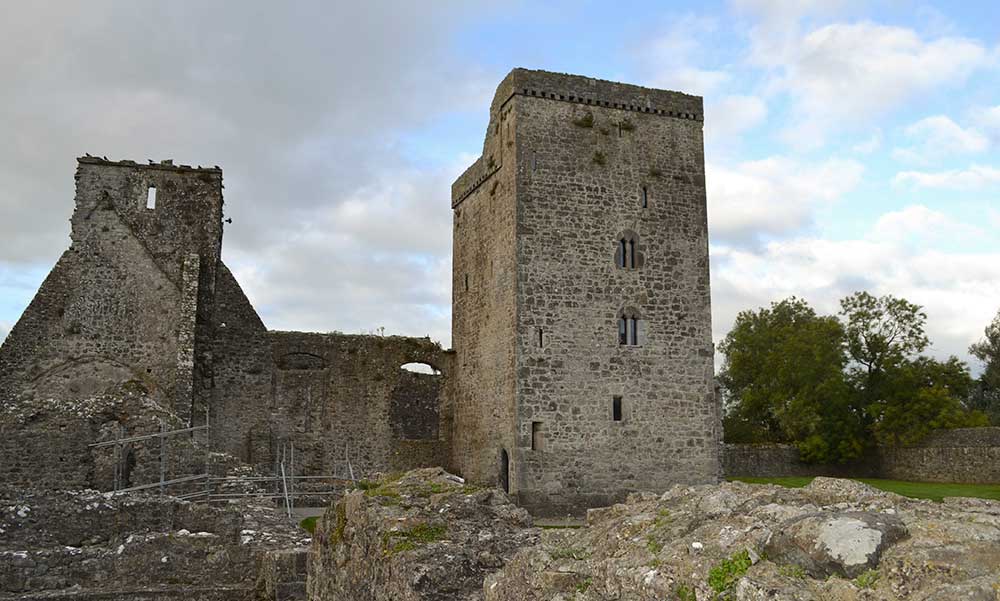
46, 443
577, 162
87, 545
88, 326
335, 397
484, 281
969, 455
966, 455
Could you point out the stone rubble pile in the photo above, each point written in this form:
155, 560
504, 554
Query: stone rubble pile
834, 540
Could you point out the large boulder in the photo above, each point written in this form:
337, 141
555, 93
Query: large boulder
422, 536
835, 543
835, 540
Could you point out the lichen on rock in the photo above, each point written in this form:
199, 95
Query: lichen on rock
418, 536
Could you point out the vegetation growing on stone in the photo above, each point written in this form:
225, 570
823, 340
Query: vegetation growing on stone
867, 580
599, 157
570, 553
686, 593
626, 125
414, 537
725, 573
341, 523
587, 120
792, 570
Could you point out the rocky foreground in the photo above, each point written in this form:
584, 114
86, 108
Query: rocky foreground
428, 536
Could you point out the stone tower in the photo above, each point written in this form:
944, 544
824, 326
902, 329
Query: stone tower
581, 308
132, 297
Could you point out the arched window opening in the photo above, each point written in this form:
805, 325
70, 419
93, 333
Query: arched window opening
420, 368
628, 254
631, 329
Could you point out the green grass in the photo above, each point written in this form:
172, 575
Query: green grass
309, 524
917, 490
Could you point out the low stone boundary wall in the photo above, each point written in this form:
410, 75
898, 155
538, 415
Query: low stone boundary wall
964, 455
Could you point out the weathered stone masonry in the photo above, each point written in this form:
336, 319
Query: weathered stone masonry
143, 297
582, 367
571, 168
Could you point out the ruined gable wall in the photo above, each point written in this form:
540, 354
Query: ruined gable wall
588, 148
126, 301
241, 374
483, 321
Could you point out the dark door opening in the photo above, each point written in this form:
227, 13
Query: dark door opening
504, 471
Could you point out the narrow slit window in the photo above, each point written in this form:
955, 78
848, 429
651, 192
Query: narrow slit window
633, 334
151, 198
622, 251
616, 408
537, 438
631, 254
619, 129
645, 198
466, 282
622, 331
541, 338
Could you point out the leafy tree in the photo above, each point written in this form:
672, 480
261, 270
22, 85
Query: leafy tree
881, 332
986, 394
784, 378
924, 395
833, 388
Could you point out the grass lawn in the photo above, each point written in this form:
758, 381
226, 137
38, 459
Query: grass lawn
917, 490
309, 523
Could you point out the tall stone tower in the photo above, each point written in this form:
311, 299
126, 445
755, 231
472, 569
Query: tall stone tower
581, 306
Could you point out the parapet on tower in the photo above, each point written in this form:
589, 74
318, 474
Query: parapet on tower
581, 307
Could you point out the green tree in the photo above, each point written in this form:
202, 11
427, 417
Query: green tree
784, 381
986, 394
924, 395
881, 332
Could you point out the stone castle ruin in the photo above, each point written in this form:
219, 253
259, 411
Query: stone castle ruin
582, 360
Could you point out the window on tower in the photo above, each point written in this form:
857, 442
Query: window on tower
631, 328
628, 251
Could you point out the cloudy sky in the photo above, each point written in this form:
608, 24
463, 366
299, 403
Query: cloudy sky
849, 145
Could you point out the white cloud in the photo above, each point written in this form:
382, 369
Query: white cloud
844, 75
990, 120
937, 137
917, 224
4, 330
959, 291
871, 144
733, 115
667, 58
304, 124
975, 177
775, 196
385, 253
